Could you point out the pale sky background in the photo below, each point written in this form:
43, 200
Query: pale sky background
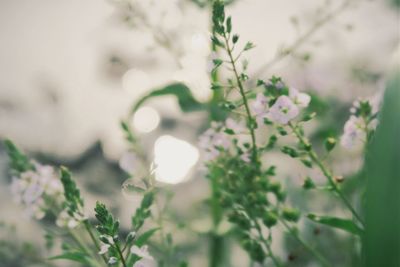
56, 93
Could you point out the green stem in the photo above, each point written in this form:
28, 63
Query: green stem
326, 173
93, 238
81, 245
319, 257
267, 244
121, 256
244, 97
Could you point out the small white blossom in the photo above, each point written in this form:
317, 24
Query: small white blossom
237, 127
300, 99
112, 260
66, 220
31, 188
354, 133
212, 139
141, 252
259, 107
283, 110
246, 157
104, 248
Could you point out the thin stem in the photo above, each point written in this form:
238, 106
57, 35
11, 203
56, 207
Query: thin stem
93, 238
291, 231
326, 173
244, 97
81, 244
121, 256
267, 245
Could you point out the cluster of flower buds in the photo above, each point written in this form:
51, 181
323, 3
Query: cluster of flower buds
361, 124
37, 190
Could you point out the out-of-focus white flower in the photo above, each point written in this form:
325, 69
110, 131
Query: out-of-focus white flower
104, 248
246, 157
128, 162
66, 220
361, 122
236, 126
283, 110
300, 99
112, 260
32, 187
141, 252
259, 107
354, 133
212, 140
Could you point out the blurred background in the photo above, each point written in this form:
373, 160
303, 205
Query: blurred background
71, 70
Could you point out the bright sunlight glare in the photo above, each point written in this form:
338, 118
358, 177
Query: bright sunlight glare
174, 158
146, 119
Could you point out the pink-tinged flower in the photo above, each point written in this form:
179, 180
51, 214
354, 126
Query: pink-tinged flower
259, 107
141, 252
354, 133
300, 99
236, 126
212, 140
246, 157
112, 260
283, 110
104, 248
32, 187
66, 220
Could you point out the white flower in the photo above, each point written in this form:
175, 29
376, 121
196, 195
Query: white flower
212, 139
141, 252
237, 127
104, 248
65, 220
31, 188
283, 110
246, 157
300, 99
259, 107
128, 162
354, 133
112, 260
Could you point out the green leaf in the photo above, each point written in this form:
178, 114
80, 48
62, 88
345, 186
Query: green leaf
142, 239
235, 38
73, 256
382, 175
248, 46
229, 24
186, 100
19, 161
343, 224
108, 225
71, 192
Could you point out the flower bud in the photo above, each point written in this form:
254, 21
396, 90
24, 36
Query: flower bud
308, 183
270, 219
330, 143
291, 214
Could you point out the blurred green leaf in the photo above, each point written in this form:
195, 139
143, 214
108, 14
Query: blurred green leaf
19, 161
185, 98
343, 224
73, 256
142, 239
382, 171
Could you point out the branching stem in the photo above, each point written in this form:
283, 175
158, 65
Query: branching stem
244, 97
327, 173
